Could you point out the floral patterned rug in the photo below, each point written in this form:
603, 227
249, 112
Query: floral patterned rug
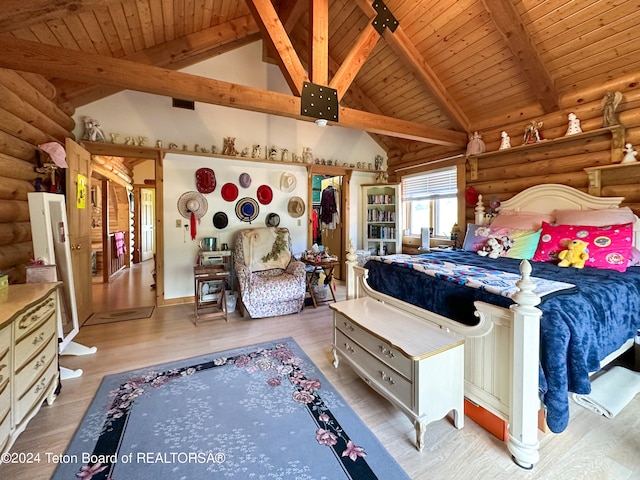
258, 412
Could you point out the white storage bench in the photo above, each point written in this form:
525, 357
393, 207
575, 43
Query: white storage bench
416, 366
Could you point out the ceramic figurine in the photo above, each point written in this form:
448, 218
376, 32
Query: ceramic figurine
505, 142
378, 161
574, 125
173, 146
610, 103
476, 144
92, 131
629, 154
129, 141
142, 141
115, 137
244, 152
229, 147
284, 155
214, 149
532, 132
255, 152
273, 153
158, 143
196, 147
307, 156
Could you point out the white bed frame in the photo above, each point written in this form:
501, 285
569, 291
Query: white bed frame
502, 350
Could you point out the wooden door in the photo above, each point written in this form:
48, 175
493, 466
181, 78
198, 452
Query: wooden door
147, 224
79, 219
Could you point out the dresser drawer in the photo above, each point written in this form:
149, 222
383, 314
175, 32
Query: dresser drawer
33, 368
5, 339
378, 372
5, 397
33, 341
5, 427
36, 393
33, 317
379, 348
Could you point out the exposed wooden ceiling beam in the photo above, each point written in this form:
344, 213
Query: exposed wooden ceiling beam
92, 68
18, 14
354, 60
273, 32
176, 54
509, 24
289, 12
413, 59
319, 41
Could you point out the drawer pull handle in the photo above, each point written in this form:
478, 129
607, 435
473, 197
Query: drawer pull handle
37, 339
386, 352
349, 327
40, 363
40, 386
386, 378
349, 348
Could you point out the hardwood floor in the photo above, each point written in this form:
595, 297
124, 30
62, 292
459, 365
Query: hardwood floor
592, 447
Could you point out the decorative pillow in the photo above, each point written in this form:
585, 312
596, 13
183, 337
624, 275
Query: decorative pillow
521, 220
609, 246
523, 242
595, 218
266, 248
634, 257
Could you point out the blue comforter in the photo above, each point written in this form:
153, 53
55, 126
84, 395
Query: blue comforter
577, 329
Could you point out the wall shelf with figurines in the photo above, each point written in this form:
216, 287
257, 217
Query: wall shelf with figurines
617, 133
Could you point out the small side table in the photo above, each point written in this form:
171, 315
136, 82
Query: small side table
326, 266
210, 283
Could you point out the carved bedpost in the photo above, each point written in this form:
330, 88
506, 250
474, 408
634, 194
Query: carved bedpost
479, 215
525, 403
351, 262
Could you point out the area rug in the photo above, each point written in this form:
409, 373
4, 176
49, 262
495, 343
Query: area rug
263, 411
134, 313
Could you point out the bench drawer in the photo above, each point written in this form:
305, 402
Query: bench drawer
382, 350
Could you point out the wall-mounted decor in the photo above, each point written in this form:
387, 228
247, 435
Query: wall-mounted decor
247, 209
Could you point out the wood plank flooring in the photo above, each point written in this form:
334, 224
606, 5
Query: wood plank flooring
592, 447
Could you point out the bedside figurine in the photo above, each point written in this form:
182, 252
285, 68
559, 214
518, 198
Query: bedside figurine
505, 142
574, 125
476, 144
629, 154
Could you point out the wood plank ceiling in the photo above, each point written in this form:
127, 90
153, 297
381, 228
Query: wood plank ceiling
450, 67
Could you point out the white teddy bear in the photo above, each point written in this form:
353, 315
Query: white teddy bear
495, 247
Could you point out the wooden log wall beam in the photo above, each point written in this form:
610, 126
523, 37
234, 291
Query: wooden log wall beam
175, 55
14, 189
24, 111
413, 59
40, 83
14, 211
12, 167
11, 233
16, 254
319, 41
273, 32
17, 127
15, 82
509, 24
60, 62
17, 148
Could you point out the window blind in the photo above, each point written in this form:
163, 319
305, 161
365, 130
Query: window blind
438, 183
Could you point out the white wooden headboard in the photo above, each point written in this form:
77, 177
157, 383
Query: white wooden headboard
547, 198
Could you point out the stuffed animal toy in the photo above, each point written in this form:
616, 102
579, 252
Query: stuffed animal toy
575, 255
492, 248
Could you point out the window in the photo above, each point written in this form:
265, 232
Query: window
430, 200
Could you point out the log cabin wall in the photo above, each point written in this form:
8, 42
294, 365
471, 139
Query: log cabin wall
29, 117
504, 174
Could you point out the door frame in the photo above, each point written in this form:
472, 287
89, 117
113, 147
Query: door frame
157, 155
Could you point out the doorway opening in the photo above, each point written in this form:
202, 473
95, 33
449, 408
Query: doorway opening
327, 217
123, 236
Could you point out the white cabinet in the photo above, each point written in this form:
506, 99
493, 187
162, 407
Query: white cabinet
28, 355
382, 219
416, 366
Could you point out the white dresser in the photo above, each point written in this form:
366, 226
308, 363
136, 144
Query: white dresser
28, 355
416, 366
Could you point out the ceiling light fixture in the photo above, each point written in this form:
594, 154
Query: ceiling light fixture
321, 122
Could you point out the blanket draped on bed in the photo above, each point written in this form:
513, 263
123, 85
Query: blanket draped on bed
577, 328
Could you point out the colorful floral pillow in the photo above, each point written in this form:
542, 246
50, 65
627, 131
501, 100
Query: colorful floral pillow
609, 247
523, 242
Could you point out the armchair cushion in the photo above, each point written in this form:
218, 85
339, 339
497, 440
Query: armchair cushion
265, 248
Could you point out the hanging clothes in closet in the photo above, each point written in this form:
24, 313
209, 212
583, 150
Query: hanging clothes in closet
329, 214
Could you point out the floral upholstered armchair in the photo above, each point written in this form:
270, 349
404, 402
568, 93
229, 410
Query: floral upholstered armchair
271, 281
